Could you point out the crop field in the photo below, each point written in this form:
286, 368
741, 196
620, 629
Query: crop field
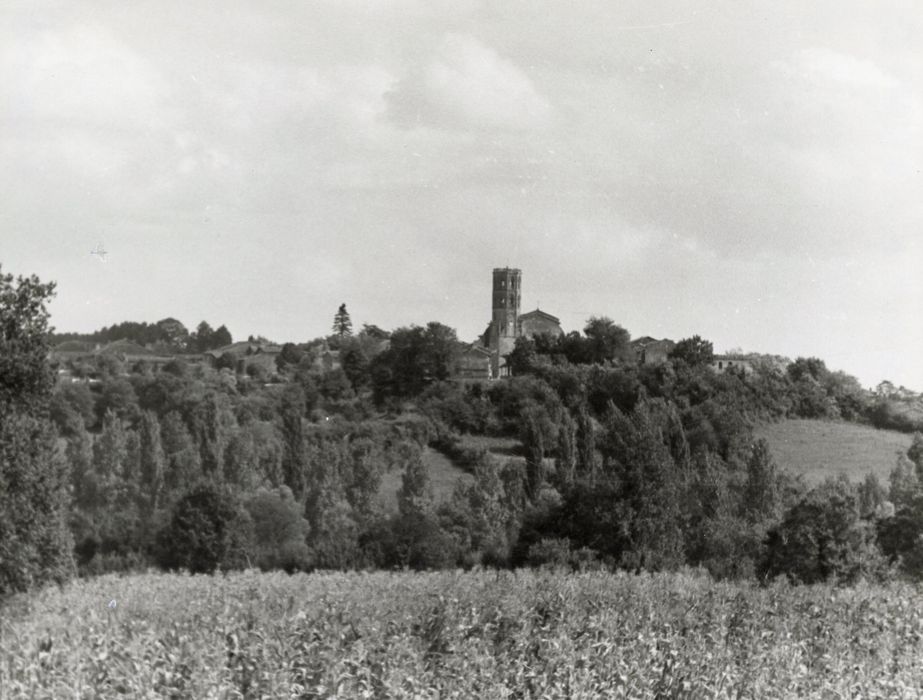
818, 449
451, 634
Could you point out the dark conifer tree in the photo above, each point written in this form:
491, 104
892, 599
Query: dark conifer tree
342, 325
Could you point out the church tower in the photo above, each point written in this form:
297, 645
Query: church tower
504, 325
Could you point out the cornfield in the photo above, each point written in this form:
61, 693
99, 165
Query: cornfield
481, 634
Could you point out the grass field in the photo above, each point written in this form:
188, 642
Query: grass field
462, 635
819, 449
815, 448
442, 473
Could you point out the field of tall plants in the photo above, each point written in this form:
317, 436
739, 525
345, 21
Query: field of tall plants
452, 634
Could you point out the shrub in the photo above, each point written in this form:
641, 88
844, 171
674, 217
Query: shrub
823, 537
208, 529
279, 531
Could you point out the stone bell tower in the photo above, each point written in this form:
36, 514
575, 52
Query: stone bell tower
504, 324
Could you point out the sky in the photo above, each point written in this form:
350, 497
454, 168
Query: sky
746, 171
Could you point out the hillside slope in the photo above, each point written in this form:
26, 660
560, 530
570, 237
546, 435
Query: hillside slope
443, 476
818, 449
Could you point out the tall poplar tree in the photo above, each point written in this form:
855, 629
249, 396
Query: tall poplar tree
35, 545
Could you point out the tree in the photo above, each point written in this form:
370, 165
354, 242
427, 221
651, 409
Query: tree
904, 482
565, 463
901, 536
153, 462
823, 536
118, 396
213, 423
110, 457
342, 325
221, 337
208, 528
291, 412
279, 530
355, 365
183, 463
606, 341
416, 358
373, 331
291, 355
79, 455
35, 545
641, 469
416, 494
202, 338
227, 360
915, 453
763, 487
538, 434
523, 358
694, 351
174, 333
72, 407
587, 461
807, 368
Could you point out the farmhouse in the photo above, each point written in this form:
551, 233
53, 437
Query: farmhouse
248, 353
650, 351
723, 363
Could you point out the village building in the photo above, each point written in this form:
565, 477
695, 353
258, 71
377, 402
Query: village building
125, 351
650, 351
247, 353
486, 358
723, 363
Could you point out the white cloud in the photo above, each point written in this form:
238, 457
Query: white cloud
660, 164
81, 74
822, 64
467, 84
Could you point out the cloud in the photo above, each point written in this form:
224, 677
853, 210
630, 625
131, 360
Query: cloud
824, 65
468, 85
83, 75
663, 164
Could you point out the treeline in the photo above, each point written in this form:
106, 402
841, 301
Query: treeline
641, 467
166, 335
649, 483
623, 465
650, 467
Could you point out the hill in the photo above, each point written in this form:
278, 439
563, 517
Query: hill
451, 634
818, 449
443, 476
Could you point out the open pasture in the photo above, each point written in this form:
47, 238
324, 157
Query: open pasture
819, 449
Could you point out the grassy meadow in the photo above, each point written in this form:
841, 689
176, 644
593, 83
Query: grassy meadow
451, 634
443, 475
818, 449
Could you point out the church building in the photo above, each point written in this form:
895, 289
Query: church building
486, 358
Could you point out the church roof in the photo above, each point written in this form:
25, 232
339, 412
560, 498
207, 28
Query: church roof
478, 348
538, 313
